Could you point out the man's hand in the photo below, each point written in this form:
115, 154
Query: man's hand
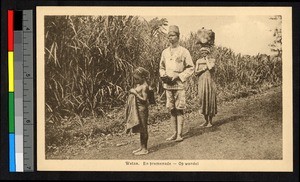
169, 80
166, 79
175, 78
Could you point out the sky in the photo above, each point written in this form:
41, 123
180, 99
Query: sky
243, 34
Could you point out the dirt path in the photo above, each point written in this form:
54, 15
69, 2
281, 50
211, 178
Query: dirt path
248, 128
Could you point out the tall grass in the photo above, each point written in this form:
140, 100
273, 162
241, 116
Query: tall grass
237, 75
89, 61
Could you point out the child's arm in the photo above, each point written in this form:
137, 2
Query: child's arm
144, 93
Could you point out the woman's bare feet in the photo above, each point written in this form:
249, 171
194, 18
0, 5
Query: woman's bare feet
208, 125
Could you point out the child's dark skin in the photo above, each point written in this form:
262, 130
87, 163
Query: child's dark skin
141, 92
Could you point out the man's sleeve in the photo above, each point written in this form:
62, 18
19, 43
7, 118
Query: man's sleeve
189, 67
162, 65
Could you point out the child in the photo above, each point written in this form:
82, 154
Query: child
140, 91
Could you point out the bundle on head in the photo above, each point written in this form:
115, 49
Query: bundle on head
205, 37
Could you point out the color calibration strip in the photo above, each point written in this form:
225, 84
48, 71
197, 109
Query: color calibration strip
18, 80
21, 102
28, 85
11, 107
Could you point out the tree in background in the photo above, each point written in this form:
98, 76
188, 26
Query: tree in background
276, 45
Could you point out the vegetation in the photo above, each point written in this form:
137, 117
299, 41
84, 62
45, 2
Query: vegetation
276, 45
89, 61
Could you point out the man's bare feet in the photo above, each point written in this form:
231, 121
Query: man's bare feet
179, 139
142, 152
137, 150
173, 137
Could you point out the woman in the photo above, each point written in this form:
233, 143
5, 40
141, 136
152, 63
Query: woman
206, 86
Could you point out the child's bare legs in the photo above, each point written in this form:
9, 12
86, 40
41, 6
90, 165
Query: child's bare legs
144, 141
174, 124
141, 144
139, 149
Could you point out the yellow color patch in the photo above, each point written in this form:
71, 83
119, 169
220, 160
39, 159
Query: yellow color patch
11, 85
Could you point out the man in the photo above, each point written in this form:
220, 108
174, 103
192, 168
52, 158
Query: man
176, 66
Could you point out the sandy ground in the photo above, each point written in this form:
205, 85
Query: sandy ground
247, 128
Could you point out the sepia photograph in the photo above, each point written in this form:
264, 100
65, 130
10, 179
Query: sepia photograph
164, 89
